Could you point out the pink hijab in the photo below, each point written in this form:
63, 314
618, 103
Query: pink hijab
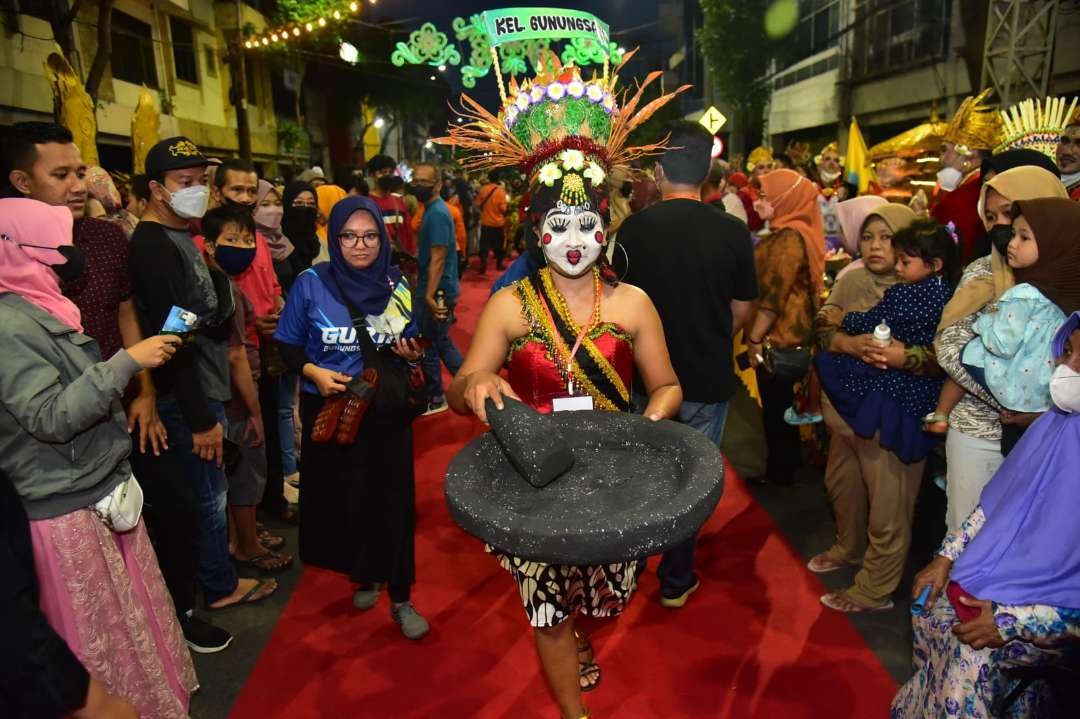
852, 214
795, 204
24, 270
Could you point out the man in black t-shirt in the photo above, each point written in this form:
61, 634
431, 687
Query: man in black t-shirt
696, 263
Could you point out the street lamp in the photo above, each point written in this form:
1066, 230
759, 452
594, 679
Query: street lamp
379, 122
348, 53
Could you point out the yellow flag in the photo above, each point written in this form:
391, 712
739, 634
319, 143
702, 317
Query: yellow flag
856, 161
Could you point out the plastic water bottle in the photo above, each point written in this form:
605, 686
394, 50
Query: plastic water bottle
440, 298
883, 335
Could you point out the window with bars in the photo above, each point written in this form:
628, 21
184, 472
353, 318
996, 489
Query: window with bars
819, 25
893, 35
185, 61
133, 51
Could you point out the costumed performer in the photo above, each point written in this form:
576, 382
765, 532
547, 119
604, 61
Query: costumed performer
970, 135
1005, 586
568, 329
830, 170
1067, 154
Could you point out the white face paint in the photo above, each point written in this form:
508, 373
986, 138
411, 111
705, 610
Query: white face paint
572, 241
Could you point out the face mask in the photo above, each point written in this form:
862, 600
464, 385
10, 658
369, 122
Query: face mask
830, 177
1065, 388
70, 270
303, 218
240, 206
424, 193
386, 183
269, 216
234, 260
569, 248
949, 178
1000, 236
190, 202
764, 209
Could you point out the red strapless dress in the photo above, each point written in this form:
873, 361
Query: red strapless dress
536, 379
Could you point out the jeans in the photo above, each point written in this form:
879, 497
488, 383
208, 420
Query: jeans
442, 348
492, 239
287, 385
217, 575
782, 439
676, 570
171, 512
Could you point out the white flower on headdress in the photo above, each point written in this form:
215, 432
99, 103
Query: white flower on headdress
572, 159
576, 88
595, 91
556, 90
511, 114
595, 174
522, 101
609, 102
537, 93
549, 173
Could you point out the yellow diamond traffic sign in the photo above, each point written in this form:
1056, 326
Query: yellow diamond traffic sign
712, 120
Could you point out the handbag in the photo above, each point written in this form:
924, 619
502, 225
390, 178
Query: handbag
402, 389
341, 415
121, 508
787, 363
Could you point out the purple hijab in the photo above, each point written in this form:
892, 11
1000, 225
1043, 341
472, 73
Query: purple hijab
1028, 552
366, 290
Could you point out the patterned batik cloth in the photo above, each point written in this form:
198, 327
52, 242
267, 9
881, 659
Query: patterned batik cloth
103, 593
951, 679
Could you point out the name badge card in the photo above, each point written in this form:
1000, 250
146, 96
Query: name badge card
572, 404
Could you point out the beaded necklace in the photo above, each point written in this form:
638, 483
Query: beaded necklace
557, 299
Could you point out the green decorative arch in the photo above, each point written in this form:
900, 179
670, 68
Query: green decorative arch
426, 46
585, 51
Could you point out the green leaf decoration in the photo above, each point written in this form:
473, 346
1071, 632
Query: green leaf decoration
585, 51
472, 31
426, 46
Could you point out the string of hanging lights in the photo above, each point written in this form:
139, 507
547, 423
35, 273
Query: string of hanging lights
293, 30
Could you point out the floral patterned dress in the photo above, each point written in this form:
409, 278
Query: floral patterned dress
603, 368
953, 680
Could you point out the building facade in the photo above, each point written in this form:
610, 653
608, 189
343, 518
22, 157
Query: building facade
179, 50
890, 63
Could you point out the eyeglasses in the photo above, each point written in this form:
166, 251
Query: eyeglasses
350, 239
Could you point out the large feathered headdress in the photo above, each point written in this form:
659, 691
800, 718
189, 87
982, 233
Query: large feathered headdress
975, 126
1035, 125
558, 127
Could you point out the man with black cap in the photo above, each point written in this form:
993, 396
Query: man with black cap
167, 271
387, 195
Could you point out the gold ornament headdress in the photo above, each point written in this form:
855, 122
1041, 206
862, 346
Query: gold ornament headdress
1035, 125
758, 155
975, 126
832, 147
558, 126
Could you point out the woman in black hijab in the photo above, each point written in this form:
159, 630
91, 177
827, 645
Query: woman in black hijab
298, 224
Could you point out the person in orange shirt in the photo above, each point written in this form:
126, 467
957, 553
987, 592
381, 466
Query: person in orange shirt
492, 203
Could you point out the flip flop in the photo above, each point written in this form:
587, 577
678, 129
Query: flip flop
259, 561
841, 602
270, 541
823, 563
249, 597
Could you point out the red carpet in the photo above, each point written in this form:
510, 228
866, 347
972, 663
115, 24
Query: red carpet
752, 642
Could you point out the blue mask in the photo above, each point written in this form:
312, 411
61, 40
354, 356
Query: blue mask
234, 260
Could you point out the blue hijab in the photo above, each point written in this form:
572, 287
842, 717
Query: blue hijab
367, 290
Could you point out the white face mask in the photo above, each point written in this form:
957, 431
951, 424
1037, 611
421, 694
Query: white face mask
1065, 388
830, 177
949, 178
572, 242
190, 202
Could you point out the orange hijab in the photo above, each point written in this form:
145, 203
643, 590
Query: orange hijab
795, 206
327, 195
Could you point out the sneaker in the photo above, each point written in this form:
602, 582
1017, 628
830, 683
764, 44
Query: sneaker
413, 626
365, 599
435, 407
203, 637
673, 599
293, 479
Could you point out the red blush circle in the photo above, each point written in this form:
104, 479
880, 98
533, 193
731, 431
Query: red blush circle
599, 237
546, 239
